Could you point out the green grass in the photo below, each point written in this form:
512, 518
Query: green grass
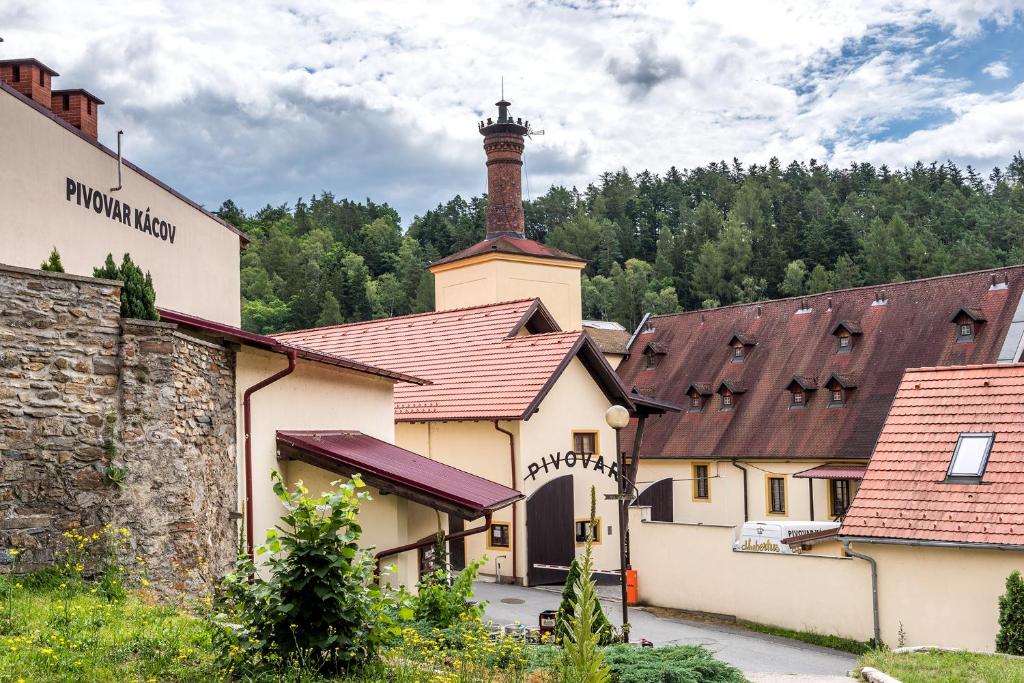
856, 647
949, 667
51, 635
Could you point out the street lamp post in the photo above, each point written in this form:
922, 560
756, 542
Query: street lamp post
617, 417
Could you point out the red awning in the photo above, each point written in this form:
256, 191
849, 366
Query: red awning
833, 472
395, 470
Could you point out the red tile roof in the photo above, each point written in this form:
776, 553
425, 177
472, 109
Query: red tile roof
903, 496
479, 366
240, 336
912, 329
397, 470
509, 244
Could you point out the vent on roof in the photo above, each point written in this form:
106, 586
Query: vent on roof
996, 286
880, 299
828, 307
805, 307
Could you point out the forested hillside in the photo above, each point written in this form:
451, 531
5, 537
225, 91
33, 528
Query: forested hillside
714, 235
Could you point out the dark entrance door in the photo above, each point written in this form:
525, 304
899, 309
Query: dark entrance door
456, 548
549, 525
659, 496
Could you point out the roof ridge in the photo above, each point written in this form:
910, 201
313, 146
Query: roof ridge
407, 316
955, 368
1019, 266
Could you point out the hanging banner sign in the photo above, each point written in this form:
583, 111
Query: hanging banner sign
570, 460
118, 211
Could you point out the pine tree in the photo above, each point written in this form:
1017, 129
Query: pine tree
138, 295
330, 312
1010, 639
53, 264
819, 281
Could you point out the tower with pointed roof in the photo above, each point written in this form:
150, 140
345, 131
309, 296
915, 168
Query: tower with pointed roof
505, 265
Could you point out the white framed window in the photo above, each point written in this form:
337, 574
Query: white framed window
971, 455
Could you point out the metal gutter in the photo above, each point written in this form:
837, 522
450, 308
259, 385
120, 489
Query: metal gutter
247, 420
933, 544
746, 510
874, 588
515, 514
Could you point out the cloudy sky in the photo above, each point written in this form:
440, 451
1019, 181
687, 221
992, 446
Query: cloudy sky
268, 101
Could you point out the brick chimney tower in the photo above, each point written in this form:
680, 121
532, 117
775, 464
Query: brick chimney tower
503, 144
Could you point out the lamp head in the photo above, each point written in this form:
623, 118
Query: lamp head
617, 417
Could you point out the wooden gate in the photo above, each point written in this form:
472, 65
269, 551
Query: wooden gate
549, 526
659, 496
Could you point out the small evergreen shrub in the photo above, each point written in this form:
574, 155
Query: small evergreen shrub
1010, 639
53, 264
675, 664
602, 627
138, 296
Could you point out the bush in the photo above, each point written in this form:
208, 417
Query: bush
676, 664
442, 601
53, 264
320, 608
1010, 639
138, 296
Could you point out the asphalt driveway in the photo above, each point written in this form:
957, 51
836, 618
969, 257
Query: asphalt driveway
764, 658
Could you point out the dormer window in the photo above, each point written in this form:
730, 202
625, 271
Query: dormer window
728, 392
697, 394
967, 321
652, 355
970, 457
738, 347
839, 387
798, 389
844, 331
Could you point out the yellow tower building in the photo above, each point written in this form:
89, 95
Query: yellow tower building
505, 265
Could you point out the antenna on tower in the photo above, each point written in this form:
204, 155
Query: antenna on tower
502, 87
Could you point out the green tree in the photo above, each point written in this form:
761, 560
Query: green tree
1010, 639
819, 281
330, 312
388, 298
794, 283
138, 296
53, 264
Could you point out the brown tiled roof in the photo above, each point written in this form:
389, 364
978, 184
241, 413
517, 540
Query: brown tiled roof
904, 496
395, 469
609, 341
478, 366
508, 244
911, 330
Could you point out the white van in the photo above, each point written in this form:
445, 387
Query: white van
766, 537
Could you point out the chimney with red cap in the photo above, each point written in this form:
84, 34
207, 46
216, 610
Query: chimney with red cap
30, 77
503, 144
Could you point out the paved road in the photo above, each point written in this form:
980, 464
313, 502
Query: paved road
763, 658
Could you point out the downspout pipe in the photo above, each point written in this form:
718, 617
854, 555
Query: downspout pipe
451, 536
874, 588
515, 511
746, 509
247, 420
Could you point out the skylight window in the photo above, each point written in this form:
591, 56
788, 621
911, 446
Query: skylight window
971, 456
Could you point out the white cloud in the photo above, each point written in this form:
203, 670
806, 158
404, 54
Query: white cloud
997, 70
265, 101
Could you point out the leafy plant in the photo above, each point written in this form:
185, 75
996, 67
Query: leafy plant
319, 605
116, 475
1010, 639
442, 601
53, 264
581, 660
138, 296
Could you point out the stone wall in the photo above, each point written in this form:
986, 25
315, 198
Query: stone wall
84, 395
